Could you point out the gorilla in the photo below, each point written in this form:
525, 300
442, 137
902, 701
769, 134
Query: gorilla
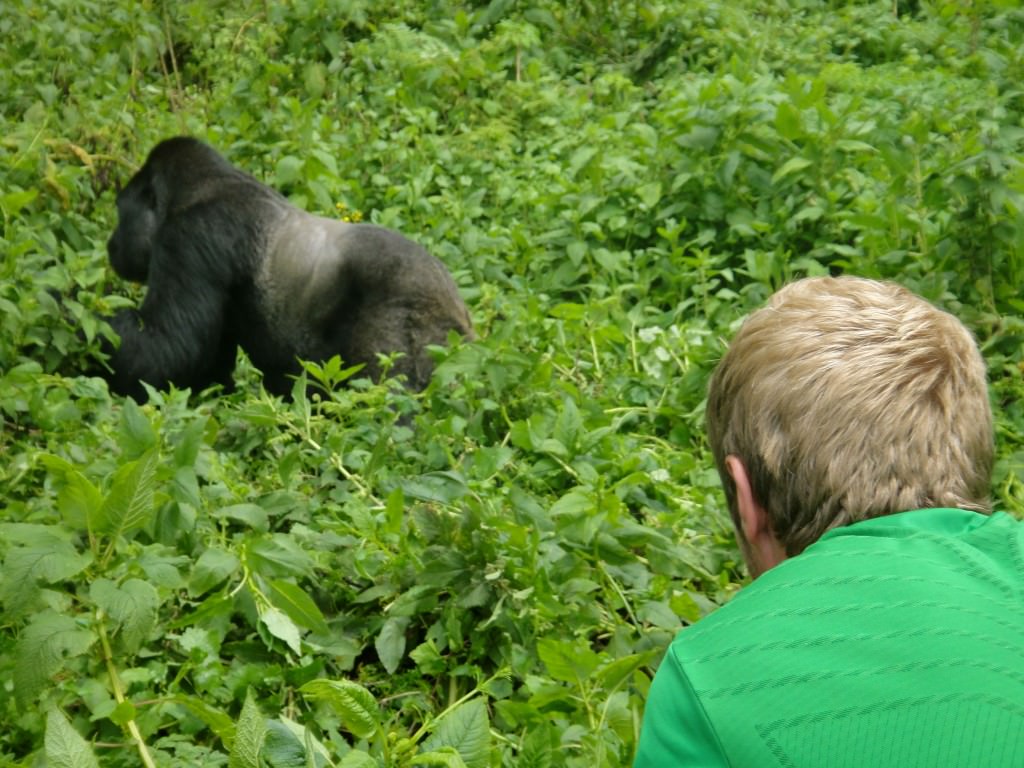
229, 262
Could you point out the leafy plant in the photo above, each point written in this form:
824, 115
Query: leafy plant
486, 573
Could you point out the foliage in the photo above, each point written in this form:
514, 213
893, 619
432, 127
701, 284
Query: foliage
485, 574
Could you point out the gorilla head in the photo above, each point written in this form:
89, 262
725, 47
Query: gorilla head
229, 262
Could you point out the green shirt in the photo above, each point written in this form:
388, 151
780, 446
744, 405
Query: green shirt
897, 641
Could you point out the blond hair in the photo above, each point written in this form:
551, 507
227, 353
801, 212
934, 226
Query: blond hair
849, 399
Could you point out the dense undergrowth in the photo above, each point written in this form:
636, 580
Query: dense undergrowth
487, 574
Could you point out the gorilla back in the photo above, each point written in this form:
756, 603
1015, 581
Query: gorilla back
230, 262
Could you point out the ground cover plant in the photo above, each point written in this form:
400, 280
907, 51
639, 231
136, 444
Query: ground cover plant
487, 573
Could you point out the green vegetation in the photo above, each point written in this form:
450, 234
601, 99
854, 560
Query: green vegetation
487, 574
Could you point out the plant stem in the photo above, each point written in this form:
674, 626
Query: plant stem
115, 684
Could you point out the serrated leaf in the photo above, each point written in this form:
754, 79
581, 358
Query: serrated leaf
283, 628
133, 606
45, 643
64, 746
354, 704
298, 605
249, 734
467, 730
50, 559
390, 642
130, 500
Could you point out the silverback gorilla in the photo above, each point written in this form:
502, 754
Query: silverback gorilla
229, 262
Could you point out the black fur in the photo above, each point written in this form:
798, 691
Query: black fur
230, 262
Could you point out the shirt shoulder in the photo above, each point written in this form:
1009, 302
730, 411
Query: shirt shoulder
915, 622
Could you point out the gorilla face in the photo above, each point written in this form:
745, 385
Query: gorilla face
131, 246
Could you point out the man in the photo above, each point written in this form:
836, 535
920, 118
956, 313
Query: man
850, 424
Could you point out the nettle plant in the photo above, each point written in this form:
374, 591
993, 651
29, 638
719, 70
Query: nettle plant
130, 602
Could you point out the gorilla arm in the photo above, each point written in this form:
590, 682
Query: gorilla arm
176, 336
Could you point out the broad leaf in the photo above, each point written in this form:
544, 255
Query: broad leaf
467, 730
249, 735
130, 501
64, 746
355, 705
44, 646
132, 605
298, 605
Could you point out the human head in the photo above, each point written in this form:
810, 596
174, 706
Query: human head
848, 399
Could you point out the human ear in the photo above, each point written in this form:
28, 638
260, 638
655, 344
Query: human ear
761, 549
752, 516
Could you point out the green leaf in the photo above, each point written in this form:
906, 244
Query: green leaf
467, 730
444, 757
189, 443
130, 501
249, 734
650, 194
394, 511
249, 514
278, 555
12, 203
78, 499
215, 719
569, 662
64, 746
353, 703
137, 434
613, 674
213, 567
568, 425
791, 166
357, 758
289, 170
44, 645
289, 744
298, 605
282, 627
48, 558
788, 121
133, 606
390, 642
659, 615
282, 748
851, 145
